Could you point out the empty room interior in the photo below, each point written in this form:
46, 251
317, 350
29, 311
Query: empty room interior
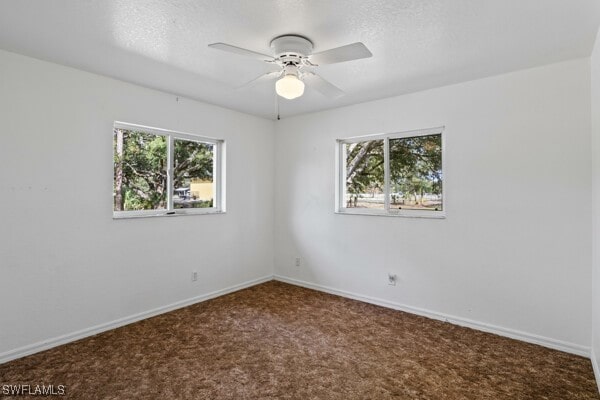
279, 199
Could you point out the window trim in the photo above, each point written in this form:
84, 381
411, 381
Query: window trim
340, 171
218, 174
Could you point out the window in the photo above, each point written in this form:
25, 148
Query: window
160, 172
393, 174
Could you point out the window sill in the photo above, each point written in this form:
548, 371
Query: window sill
382, 213
133, 214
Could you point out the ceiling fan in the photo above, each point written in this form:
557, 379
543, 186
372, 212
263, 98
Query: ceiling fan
295, 60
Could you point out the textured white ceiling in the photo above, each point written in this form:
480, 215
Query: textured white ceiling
416, 44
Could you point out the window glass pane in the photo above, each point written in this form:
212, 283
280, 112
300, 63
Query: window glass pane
193, 183
140, 178
416, 173
364, 175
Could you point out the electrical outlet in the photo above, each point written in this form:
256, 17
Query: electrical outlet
392, 279
298, 261
194, 276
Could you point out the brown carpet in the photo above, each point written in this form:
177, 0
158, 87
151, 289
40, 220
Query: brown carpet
277, 341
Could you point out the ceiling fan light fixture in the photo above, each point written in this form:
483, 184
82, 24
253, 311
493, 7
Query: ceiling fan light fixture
294, 56
289, 87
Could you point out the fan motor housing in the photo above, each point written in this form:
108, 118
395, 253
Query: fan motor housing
291, 45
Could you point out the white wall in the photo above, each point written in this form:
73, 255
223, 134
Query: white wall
65, 264
595, 71
515, 249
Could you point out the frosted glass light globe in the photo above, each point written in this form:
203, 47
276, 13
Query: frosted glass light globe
289, 87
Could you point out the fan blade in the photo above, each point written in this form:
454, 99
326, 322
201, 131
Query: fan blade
354, 51
261, 78
323, 86
238, 50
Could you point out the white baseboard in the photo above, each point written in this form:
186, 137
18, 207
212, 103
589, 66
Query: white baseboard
513, 334
481, 326
71, 337
596, 369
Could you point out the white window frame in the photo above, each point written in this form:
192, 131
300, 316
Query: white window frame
218, 174
340, 170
